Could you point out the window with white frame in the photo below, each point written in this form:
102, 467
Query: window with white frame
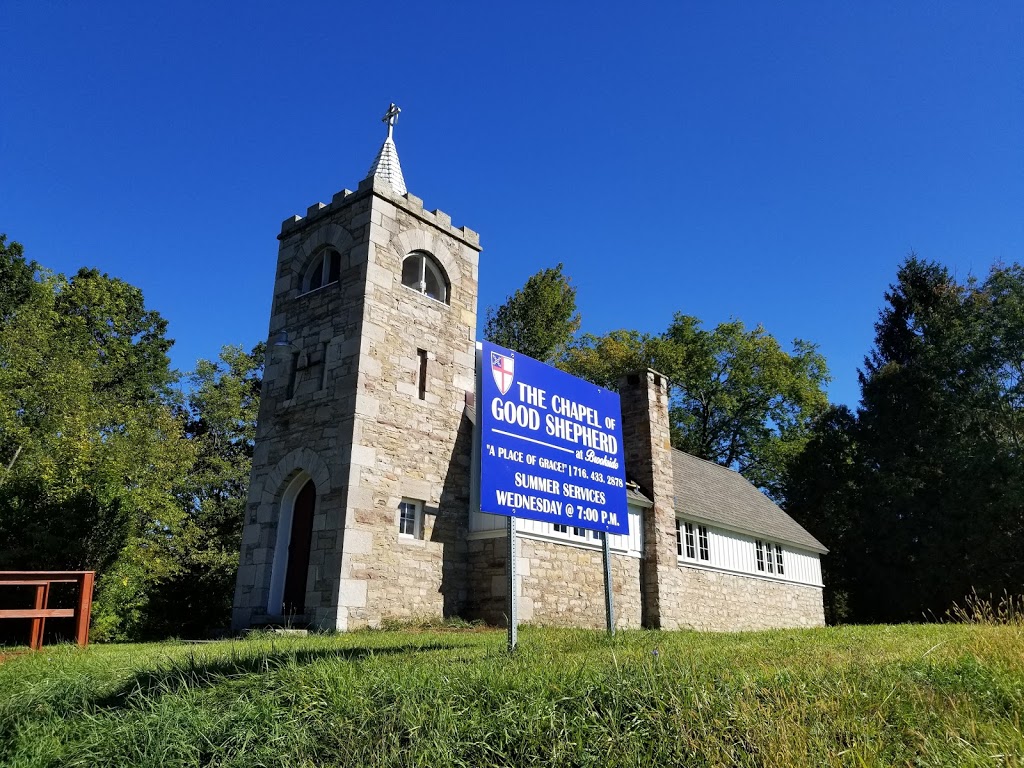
422, 273
692, 540
732, 551
576, 533
410, 519
766, 560
483, 525
323, 270
702, 542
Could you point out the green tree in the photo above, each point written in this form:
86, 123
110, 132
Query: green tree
822, 491
220, 412
740, 399
936, 423
737, 398
539, 319
604, 360
16, 276
934, 483
89, 446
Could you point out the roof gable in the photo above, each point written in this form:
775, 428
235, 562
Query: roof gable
716, 494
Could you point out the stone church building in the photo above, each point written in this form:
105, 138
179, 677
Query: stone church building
359, 500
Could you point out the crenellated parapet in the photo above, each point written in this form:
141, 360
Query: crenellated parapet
373, 186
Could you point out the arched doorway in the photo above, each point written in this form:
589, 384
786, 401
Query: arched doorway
293, 598
291, 550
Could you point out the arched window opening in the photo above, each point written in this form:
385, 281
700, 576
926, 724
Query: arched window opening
422, 273
324, 270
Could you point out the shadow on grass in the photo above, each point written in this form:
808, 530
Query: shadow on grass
193, 673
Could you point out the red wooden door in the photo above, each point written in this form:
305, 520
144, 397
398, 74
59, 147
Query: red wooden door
298, 551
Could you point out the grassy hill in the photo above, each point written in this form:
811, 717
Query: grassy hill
907, 695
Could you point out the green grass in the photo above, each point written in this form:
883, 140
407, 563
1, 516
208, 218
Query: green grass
908, 695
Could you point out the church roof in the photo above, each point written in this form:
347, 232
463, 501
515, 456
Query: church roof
711, 493
387, 168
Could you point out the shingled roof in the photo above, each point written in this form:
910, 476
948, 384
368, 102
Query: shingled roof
713, 494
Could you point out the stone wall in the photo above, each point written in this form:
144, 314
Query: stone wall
563, 586
405, 445
486, 580
559, 585
302, 435
695, 598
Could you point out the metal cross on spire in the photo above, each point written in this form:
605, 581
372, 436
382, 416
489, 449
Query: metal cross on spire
386, 166
390, 117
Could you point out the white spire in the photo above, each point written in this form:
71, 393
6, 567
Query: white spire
386, 166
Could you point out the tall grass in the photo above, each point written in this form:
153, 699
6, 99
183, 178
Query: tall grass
1008, 610
910, 695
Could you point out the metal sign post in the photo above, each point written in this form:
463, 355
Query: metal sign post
609, 603
512, 601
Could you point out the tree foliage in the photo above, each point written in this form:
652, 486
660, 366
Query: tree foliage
822, 491
106, 465
16, 276
539, 319
219, 415
737, 397
921, 494
89, 447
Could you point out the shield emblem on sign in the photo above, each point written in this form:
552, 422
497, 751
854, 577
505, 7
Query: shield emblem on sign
503, 369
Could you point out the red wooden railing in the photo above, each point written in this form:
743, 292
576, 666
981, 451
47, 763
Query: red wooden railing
42, 580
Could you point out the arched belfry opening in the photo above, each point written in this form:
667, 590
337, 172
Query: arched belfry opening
291, 555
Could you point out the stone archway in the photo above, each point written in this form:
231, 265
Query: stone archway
296, 567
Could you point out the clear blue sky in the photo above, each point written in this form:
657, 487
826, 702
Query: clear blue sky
766, 161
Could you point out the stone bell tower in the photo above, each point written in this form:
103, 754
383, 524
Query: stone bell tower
359, 494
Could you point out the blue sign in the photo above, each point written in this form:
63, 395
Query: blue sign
551, 445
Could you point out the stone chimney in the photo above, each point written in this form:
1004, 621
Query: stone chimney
648, 454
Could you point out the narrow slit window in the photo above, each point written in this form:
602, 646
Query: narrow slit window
778, 558
759, 545
691, 551
293, 372
323, 365
679, 537
422, 375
